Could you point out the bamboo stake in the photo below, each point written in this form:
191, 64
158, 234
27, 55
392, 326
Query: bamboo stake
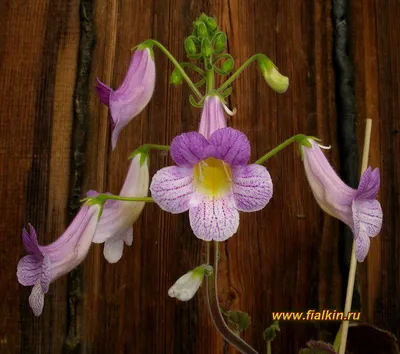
353, 262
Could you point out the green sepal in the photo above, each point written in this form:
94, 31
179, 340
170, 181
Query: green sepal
146, 45
270, 333
144, 154
206, 48
226, 92
196, 104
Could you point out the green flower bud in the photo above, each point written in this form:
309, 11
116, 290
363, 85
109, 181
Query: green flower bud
201, 29
176, 78
206, 48
228, 66
203, 17
190, 46
272, 76
220, 43
212, 24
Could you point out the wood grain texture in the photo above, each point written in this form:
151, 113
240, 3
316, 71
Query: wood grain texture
285, 257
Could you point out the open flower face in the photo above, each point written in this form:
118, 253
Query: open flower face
213, 181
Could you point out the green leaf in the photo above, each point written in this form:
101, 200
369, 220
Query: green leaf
239, 320
270, 333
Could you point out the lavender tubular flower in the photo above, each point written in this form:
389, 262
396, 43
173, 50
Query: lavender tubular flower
44, 264
133, 95
115, 225
357, 208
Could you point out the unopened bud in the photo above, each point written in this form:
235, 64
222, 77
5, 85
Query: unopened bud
220, 42
201, 29
272, 76
190, 46
206, 49
176, 78
228, 65
212, 24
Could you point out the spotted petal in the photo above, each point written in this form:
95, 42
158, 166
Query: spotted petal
172, 189
214, 219
252, 187
362, 247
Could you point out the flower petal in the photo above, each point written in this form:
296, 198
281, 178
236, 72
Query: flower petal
362, 247
36, 300
30, 242
369, 184
231, 145
29, 270
252, 187
188, 149
214, 219
103, 91
172, 189
367, 218
113, 249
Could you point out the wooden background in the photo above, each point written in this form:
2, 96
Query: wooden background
285, 257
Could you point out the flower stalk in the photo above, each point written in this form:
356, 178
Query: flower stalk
213, 305
353, 261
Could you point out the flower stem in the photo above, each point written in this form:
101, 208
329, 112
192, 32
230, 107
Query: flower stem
280, 147
177, 65
238, 72
213, 305
105, 197
269, 349
353, 261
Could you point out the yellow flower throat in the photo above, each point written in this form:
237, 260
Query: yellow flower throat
212, 177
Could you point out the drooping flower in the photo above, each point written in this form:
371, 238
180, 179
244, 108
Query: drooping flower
133, 95
213, 181
357, 208
272, 76
188, 284
44, 264
115, 225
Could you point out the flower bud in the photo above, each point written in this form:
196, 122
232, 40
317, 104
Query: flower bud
187, 285
212, 24
228, 65
201, 29
206, 49
190, 46
220, 42
272, 76
176, 78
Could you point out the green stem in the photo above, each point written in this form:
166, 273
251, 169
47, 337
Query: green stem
209, 76
269, 349
125, 199
287, 142
155, 147
193, 67
239, 71
177, 65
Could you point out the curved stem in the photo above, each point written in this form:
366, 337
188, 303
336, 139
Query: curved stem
287, 142
213, 305
238, 72
176, 64
193, 67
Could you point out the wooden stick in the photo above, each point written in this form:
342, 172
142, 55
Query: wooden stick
353, 262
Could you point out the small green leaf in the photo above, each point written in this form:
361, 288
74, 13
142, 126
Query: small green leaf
270, 333
239, 320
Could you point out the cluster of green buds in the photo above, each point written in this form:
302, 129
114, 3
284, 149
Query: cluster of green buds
208, 44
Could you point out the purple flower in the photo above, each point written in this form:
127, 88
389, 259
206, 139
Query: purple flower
115, 225
213, 181
44, 264
357, 208
133, 95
